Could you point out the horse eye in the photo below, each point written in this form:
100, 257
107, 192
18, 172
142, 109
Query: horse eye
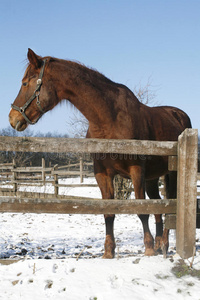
25, 83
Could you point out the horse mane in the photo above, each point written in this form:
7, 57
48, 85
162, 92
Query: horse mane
87, 73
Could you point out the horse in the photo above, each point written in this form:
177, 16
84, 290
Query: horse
113, 112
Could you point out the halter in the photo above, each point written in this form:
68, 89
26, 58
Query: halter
35, 95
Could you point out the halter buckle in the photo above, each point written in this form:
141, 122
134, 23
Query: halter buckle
39, 81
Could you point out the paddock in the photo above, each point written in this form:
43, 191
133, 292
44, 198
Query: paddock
182, 157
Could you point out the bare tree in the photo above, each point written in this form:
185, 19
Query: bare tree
145, 94
78, 125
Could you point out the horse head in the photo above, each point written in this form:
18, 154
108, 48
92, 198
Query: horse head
36, 95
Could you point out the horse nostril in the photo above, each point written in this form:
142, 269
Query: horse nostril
17, 125
14, 123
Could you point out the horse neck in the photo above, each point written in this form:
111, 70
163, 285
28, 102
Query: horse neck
86, 90
106, 105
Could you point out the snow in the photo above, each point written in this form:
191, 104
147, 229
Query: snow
52, 256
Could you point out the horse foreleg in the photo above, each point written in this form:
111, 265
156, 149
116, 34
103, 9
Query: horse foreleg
110, 240
105, 182
137, 176
159, 233
148, 238
165, 242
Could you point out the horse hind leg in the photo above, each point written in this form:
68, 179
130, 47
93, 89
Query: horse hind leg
152, 191
137, 177
162, 236
171, 193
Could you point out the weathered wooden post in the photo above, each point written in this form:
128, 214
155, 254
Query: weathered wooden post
186, 192
81, 170
55, 181
14, 175
43, 170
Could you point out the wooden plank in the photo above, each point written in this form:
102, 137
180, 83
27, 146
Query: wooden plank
6, 192
72, 174
77, 185
65, 173
56, 188
69, 166
81, 170
170, 221
32, 182
6, 167
187, 192
5, 164
43, 169
25, 178
14, 177
29, 169
36, 195
86, 206
59, 145
2, 183
172, 163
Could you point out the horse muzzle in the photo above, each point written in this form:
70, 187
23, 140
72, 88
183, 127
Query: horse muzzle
17, 121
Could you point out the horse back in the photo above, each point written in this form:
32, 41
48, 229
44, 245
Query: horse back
166, 123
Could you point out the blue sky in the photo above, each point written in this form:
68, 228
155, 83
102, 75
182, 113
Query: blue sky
129, 41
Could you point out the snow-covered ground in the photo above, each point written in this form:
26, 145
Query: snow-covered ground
60, 257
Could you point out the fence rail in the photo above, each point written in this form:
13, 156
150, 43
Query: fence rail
63, 145
87, 206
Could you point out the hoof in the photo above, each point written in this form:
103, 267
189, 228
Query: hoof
108, 256
109, 252
149, 244
149, 252
161, 247
164, 250
158, 243
109, 248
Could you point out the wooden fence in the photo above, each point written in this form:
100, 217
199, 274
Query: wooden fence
13, 177
182, 157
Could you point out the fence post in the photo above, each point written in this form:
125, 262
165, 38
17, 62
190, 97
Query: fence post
186, 192
81, 170
43, 170
14, 174
55, 181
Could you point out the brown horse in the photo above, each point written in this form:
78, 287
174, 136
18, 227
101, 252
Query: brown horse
113, 112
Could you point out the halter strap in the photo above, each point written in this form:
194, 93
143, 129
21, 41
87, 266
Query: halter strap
35, 95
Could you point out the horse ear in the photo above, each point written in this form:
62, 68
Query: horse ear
34, 59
